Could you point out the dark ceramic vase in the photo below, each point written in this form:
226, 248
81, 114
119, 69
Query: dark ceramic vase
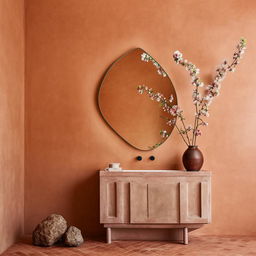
193, 159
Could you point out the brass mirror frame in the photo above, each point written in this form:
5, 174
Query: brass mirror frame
100, 88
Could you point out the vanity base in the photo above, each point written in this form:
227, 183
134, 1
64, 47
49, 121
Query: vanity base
175, 233
154, 205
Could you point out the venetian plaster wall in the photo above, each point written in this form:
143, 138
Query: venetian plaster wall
70, 44
11, 121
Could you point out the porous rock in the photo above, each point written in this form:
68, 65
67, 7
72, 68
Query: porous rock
73, 237
50, 230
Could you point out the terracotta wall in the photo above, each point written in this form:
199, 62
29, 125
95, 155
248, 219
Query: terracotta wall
11, 121
70, 44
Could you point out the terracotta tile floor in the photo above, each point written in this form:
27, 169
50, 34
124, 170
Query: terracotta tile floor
198, 246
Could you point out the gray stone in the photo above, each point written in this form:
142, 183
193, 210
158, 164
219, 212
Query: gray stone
50, 230
73, 237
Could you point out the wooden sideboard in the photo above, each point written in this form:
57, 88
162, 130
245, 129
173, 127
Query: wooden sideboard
146, 204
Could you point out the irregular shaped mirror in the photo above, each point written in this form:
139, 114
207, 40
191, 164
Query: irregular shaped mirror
134, 117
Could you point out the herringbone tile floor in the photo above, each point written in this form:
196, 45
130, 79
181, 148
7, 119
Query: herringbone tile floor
198, 246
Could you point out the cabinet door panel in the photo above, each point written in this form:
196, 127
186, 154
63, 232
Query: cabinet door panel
195, 202
138, 202
154, 203
114, 201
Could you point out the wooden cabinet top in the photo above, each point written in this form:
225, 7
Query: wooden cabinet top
156, 173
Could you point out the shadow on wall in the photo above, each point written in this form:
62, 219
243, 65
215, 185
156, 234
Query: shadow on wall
99, 84
84, 213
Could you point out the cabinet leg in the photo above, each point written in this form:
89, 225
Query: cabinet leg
185, 235
109, 235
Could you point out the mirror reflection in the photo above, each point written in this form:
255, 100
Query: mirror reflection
134, 117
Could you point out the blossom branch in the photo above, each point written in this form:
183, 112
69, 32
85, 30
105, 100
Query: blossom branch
146, 57
202, 103
168, 107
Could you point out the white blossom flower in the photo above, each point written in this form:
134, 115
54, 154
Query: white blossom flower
177, 55
146, 57
207, 98
140, 89
197, 132
171, 122
171, 98
164, 134
204, 112
175, 110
